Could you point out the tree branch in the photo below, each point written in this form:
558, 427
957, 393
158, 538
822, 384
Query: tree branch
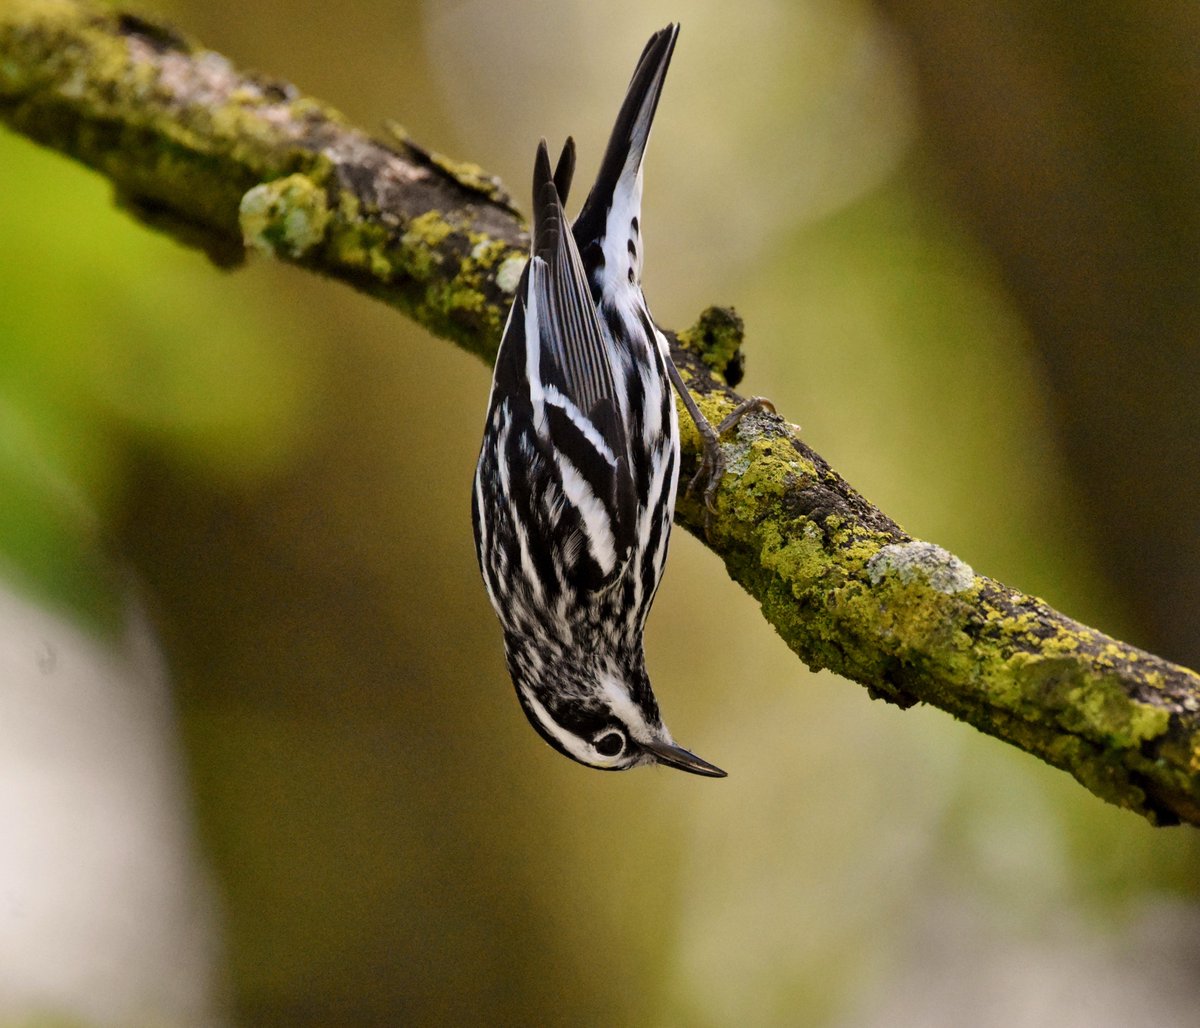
223, 159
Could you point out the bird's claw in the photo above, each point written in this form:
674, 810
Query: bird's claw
709, 474
712, 459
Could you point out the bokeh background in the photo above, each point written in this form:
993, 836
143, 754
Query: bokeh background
260, 761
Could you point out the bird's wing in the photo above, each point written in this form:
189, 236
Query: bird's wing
572, 386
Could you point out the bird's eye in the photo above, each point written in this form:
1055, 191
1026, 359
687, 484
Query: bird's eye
610, 744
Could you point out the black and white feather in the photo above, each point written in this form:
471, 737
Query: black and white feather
575, 486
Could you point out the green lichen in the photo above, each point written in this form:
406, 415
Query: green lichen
1102, 708
359, 245
473, 177
453, 270
1080, 696
421, 255
285, 217
716, 337
437, 269
15, 78
468, 175
907, 619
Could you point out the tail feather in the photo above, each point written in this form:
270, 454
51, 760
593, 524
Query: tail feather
564, 171
547, 209
616, 181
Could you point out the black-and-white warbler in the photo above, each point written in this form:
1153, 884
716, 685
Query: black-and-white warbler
575, 487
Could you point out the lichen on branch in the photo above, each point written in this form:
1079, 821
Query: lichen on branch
225, 160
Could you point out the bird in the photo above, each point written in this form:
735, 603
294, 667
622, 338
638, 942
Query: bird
574, 489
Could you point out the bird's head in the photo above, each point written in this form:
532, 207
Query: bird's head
598, 710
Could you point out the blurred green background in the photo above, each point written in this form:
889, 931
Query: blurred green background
965, 245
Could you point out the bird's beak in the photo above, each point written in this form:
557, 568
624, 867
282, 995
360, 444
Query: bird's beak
676, 756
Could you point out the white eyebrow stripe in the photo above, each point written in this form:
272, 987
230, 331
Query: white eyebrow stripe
618, 700
578, 748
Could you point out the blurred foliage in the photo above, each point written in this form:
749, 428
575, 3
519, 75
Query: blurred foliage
1068, 138
286, 465
114, 343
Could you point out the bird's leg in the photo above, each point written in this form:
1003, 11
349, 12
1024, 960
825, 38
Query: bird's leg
712, 463
712, 460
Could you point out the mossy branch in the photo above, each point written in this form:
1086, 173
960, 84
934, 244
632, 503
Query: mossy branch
224, 160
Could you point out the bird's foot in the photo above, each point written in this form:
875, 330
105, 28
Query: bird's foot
707, 479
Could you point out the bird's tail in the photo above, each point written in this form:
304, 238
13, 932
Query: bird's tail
617, 185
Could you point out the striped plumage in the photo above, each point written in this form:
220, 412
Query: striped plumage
575, 486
